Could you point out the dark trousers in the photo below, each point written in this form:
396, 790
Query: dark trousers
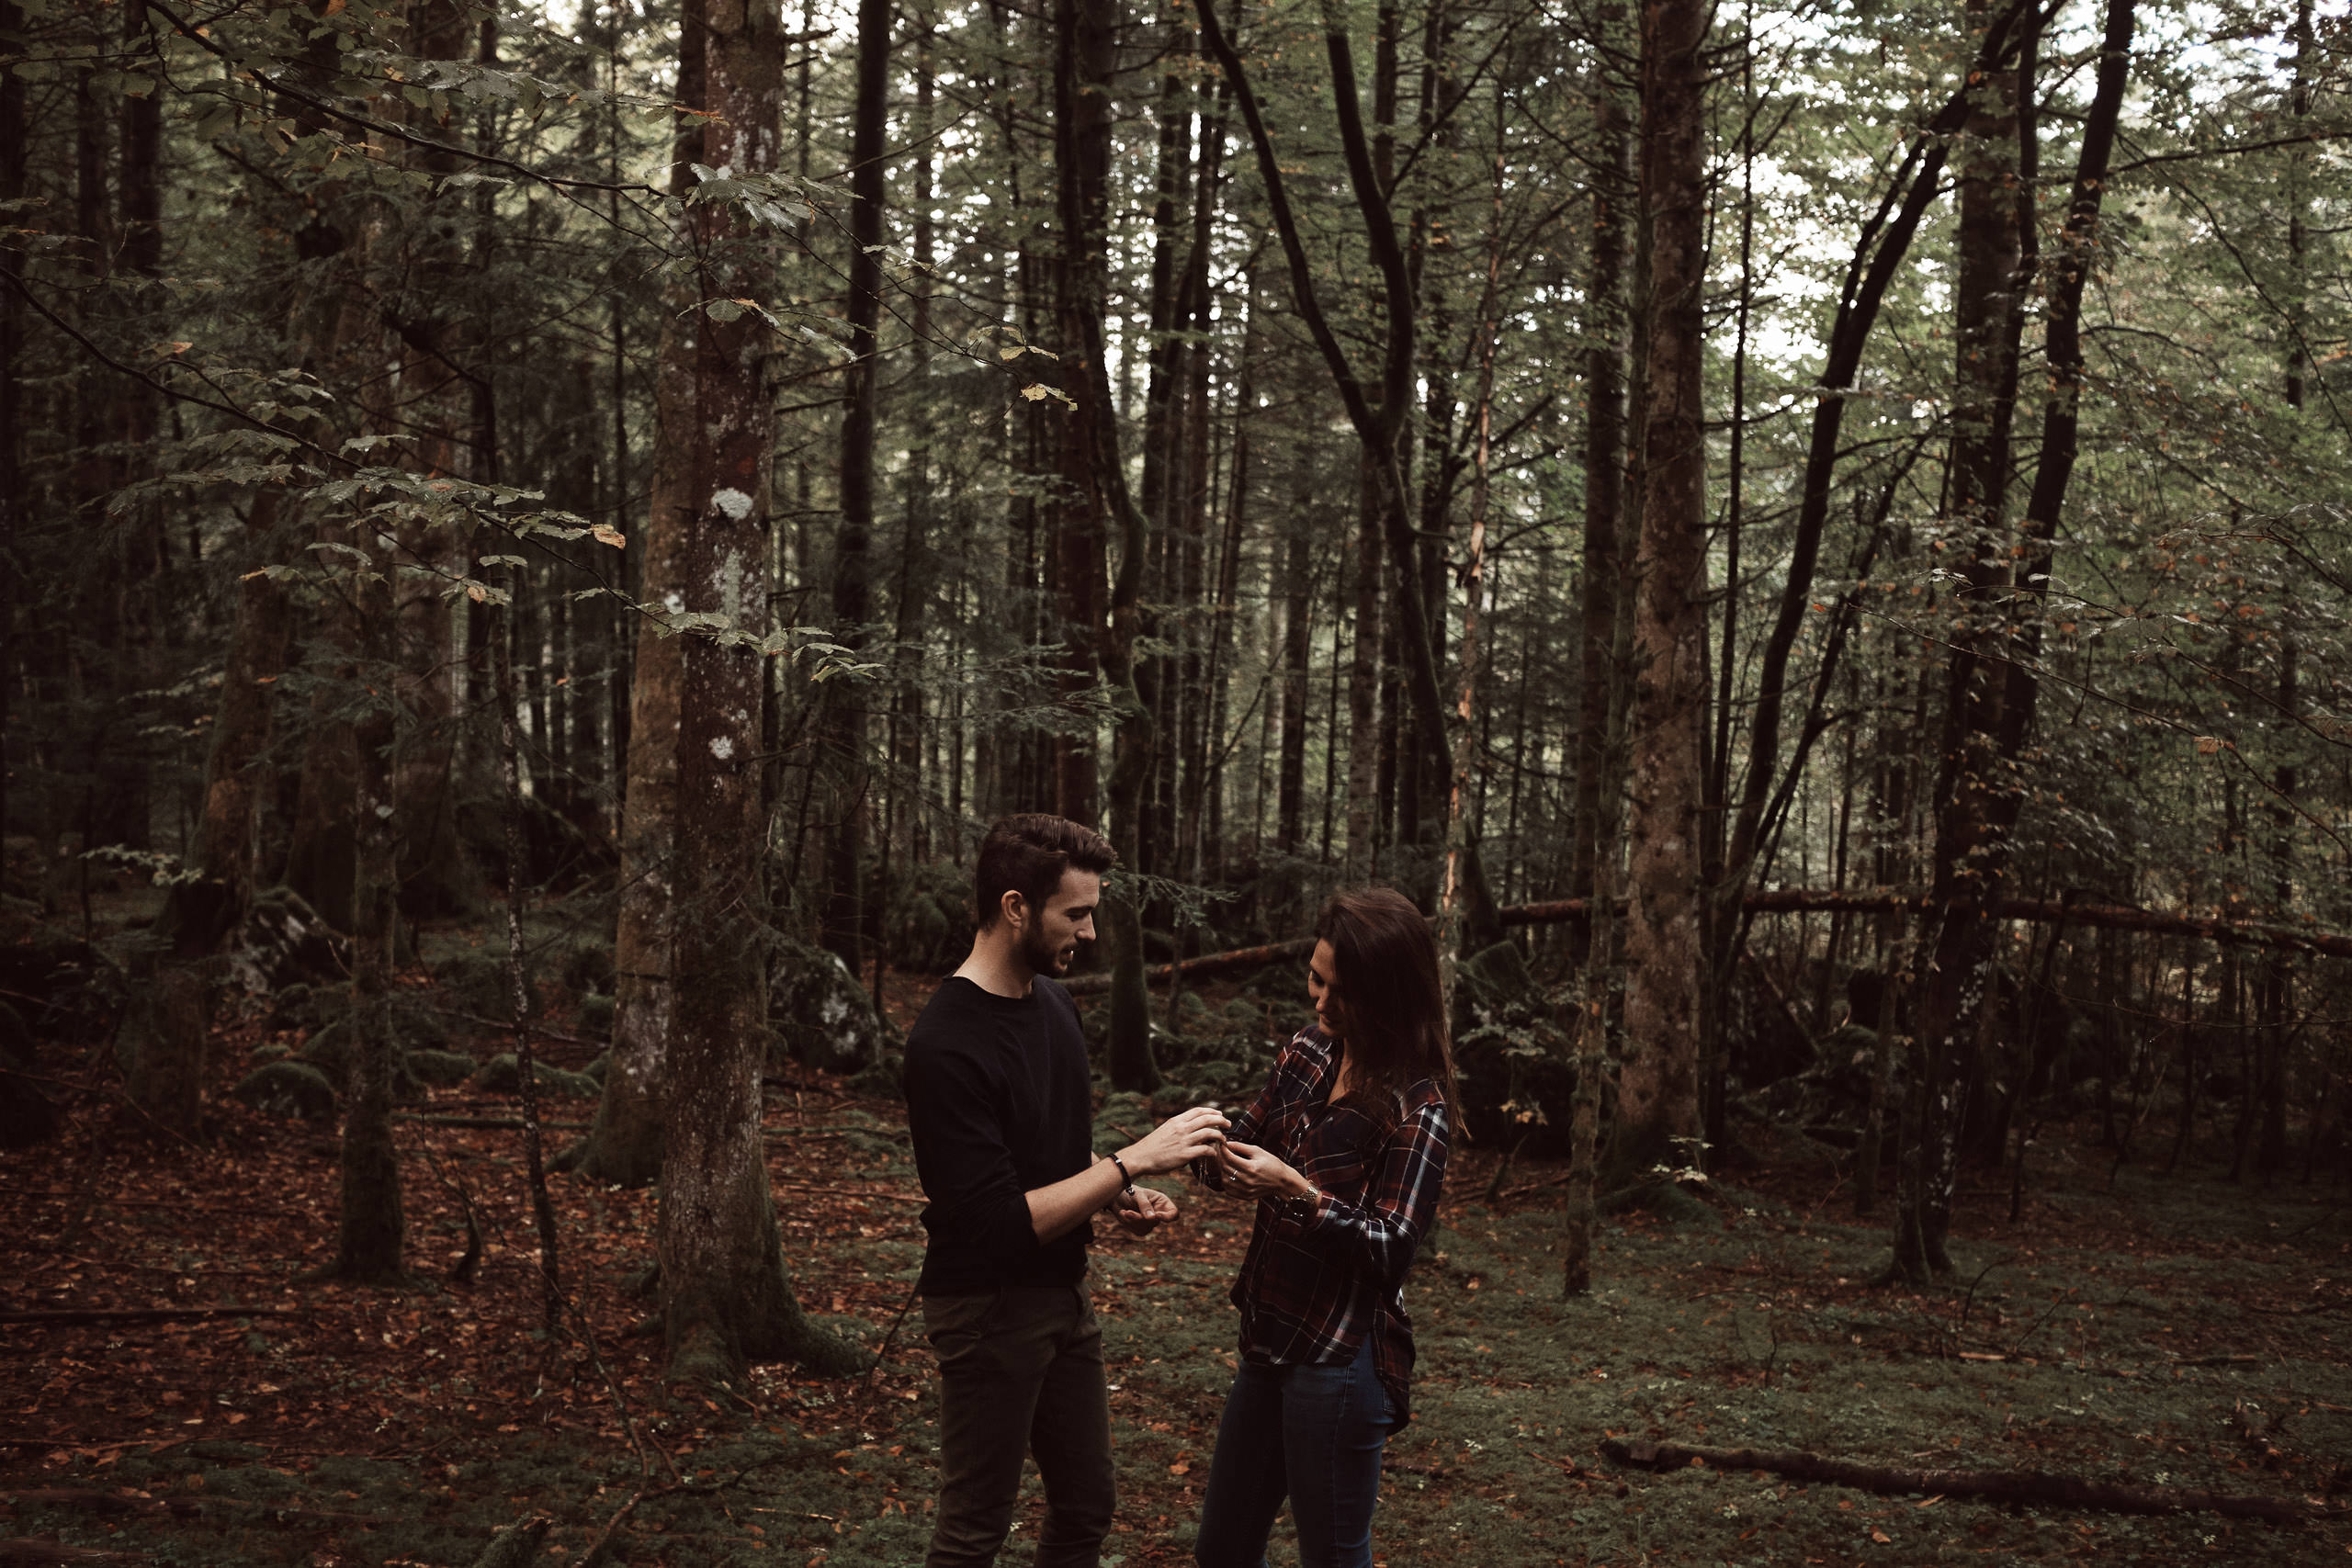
1019, 1370
1313, 1434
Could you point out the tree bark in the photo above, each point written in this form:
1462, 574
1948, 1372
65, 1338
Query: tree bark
1604, 476
12, 164
1085, 59
624, 1148
1657, 1106
842, 753
726, 1300
371, 1229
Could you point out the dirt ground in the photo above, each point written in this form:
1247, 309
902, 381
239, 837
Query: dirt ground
2163, 1332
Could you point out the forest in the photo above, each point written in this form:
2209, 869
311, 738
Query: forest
1810, 536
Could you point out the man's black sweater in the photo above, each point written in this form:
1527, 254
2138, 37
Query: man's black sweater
999, 1103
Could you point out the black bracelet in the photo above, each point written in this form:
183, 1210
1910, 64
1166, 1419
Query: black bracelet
1127, 1181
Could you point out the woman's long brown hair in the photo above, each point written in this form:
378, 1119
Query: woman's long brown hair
1384, 966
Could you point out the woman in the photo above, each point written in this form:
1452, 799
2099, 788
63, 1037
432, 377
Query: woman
1345, 1153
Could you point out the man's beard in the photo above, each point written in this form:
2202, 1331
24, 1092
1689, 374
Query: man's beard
1041, 955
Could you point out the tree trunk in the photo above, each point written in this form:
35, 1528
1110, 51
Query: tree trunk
726, 1301
1297, 586
1657, 1106
371, 1229
1363, 687
1604, 478
1453, 917
624, 1148
12, 164
1987, 305
1084, 62
842, 753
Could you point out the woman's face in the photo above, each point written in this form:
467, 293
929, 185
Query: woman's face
1328, 1014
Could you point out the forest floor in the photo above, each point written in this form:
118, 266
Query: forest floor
2157, 1331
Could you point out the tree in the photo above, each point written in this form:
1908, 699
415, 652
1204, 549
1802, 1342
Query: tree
724, 1297
1657, 1105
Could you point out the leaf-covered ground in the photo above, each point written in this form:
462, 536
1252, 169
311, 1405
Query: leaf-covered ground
2166, 1331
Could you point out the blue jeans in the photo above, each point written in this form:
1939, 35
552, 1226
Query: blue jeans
1313, 1434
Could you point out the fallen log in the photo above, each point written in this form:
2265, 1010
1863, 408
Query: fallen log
1822, 900
2027, 1487
1207, 964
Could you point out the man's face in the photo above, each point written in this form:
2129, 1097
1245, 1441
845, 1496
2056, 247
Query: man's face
1049, 937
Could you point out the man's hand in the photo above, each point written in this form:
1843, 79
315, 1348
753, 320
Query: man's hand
1253, 1172
1184, 1137
1142, 1211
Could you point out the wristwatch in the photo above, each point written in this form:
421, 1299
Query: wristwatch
1301, 1205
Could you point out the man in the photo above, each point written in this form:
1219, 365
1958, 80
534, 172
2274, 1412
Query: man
1001, 1111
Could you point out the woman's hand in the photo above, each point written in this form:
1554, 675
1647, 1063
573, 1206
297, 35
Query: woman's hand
1142, 1211
1253, 1172
1184, 1137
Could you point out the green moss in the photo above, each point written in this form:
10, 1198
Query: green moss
502, 1074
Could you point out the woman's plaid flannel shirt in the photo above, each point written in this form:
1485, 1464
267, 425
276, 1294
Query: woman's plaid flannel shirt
1317, 1280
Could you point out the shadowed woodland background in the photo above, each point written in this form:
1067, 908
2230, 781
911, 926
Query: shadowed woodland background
531, 543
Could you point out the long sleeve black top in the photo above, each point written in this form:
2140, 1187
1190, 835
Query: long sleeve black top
999, 1103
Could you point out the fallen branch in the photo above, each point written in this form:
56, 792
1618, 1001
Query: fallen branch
2027, 1487
601, 1551
46, 1552
1819, 900
506, 1026
244, 1508
143, 1315
485, 1123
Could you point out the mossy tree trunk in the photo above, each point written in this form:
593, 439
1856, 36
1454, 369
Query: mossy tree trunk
371, 1229
1657, 1106
724, 1297
624, 1146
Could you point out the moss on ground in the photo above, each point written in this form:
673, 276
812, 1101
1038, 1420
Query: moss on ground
2139, 1335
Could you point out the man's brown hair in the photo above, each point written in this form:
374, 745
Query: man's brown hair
1027, 854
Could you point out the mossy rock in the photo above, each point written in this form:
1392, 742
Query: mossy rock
475, 982
884, 1076
502, 1074
1205, 1083
1124, 1117
824, 1017
271, 1051
301, 1005
1497, 975
588, 968
442, 1069
416, 1024
329, 1049
283, 942
596, 1016
288, 1088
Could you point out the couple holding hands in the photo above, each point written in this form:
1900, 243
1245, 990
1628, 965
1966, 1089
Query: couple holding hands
1343, 1151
